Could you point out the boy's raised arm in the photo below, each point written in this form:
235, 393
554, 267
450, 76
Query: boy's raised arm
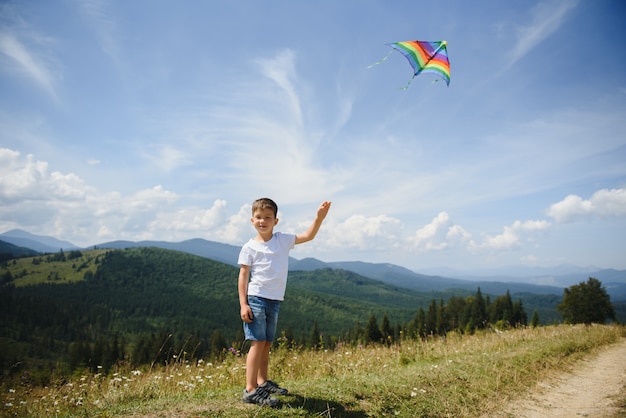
310, 233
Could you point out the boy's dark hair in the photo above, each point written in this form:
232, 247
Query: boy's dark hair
265, 203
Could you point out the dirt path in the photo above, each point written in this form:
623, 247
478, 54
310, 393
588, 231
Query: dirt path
595, 388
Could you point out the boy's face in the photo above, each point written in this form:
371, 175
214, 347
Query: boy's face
264, 221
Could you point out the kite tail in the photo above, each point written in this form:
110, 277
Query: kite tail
407, 84
381, 61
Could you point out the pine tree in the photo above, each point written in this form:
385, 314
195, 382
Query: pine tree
314, 341
535, 319
442, 319
387, 332
372, 331
478, 313
421, 323
431, 319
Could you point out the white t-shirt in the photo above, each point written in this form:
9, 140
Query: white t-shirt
269, 265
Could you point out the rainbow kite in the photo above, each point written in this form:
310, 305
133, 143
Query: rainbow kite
424, 57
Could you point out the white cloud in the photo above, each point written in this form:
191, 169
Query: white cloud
513, 236
100, 216
62, 205
237, 228
358, 231
507, 240
197, 221
530, 225
151, 198
440, 234
456, 233
604, 203
26, 179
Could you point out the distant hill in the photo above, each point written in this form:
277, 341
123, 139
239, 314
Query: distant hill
39, 243
613, 280
539, 281
390, 273
8, 250
512, 272
223, 253
549, 277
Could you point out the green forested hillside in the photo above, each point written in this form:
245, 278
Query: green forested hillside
125, 306
339, 301
145, 305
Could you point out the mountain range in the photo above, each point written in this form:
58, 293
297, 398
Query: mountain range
538, 281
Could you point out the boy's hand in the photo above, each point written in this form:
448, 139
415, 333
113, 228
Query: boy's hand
323, 210
246, 314
310, 233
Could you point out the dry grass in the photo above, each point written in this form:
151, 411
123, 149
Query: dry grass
457, 376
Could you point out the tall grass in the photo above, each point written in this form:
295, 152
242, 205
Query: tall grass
456, 376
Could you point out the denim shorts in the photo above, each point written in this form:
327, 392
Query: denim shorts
265, 318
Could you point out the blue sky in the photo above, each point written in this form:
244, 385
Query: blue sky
164, 120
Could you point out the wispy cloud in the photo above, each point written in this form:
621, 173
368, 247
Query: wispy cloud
547, 18
103, 25
28, 63
264, 137
281, 70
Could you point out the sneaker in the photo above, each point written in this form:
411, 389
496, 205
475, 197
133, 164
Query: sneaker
272, 387
259, 396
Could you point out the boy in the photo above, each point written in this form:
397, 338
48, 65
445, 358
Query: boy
262, 281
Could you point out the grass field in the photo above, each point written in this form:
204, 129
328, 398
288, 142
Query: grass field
34, 270
457, 376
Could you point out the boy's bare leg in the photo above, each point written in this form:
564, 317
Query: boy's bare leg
254, 363
264, 362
